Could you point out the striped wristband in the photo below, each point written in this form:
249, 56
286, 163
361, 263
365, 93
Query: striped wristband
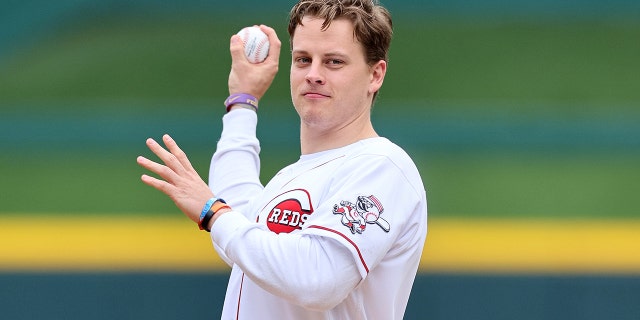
241, 98
220, 204
205, 209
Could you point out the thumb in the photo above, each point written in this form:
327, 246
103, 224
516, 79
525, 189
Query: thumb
236, 47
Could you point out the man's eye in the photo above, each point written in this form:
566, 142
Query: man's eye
335, 62
303, 60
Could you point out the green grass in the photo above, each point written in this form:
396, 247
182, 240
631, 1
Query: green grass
91, 181
462, 185
121, 60
560, 66
525, 185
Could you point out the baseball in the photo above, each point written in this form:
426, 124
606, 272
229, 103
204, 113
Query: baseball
256, 44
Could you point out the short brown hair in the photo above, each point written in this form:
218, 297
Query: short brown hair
372, 23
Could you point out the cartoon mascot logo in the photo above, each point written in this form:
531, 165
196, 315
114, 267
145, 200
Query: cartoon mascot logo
365, 210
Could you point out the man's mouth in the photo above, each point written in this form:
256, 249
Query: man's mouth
314, 95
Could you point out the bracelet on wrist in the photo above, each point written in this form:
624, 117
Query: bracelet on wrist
241, 98
206, 208
218, 204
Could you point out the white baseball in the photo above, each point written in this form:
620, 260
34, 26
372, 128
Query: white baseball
256, 44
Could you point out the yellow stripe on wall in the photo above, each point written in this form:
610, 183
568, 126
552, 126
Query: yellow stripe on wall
49, 243
553, 245
105, 243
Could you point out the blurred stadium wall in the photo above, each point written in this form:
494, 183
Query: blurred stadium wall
523, 117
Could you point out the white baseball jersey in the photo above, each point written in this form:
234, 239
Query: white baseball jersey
336, 235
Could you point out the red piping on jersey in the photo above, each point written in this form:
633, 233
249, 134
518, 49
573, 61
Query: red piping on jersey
239, 296
346, 238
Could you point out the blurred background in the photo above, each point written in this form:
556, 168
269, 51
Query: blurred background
522, 116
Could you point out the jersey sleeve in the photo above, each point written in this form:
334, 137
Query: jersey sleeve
234, 173
372, 207
289, 265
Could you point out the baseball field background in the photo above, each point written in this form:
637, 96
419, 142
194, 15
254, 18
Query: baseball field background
522, 116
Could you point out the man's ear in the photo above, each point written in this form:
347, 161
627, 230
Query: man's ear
378, 71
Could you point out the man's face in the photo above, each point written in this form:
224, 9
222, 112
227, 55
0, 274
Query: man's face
331, 84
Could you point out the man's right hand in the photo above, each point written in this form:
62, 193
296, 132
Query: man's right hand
254, 79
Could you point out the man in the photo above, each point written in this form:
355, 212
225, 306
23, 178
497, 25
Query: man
339, 233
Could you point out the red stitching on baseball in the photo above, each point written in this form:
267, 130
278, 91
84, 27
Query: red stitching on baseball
258, 51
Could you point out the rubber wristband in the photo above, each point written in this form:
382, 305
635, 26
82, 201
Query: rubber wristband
212, 212
206, 208
242, 98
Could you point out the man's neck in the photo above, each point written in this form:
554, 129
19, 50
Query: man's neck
313, 140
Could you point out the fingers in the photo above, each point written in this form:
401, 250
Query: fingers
163, 171
160, 185
169, 159
274, 43
177, 152
176, 162
177, 178
236, 46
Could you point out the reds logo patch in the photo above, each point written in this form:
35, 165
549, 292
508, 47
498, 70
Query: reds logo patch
365, 210
289, 212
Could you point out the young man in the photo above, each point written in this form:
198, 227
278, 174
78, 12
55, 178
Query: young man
339, 233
